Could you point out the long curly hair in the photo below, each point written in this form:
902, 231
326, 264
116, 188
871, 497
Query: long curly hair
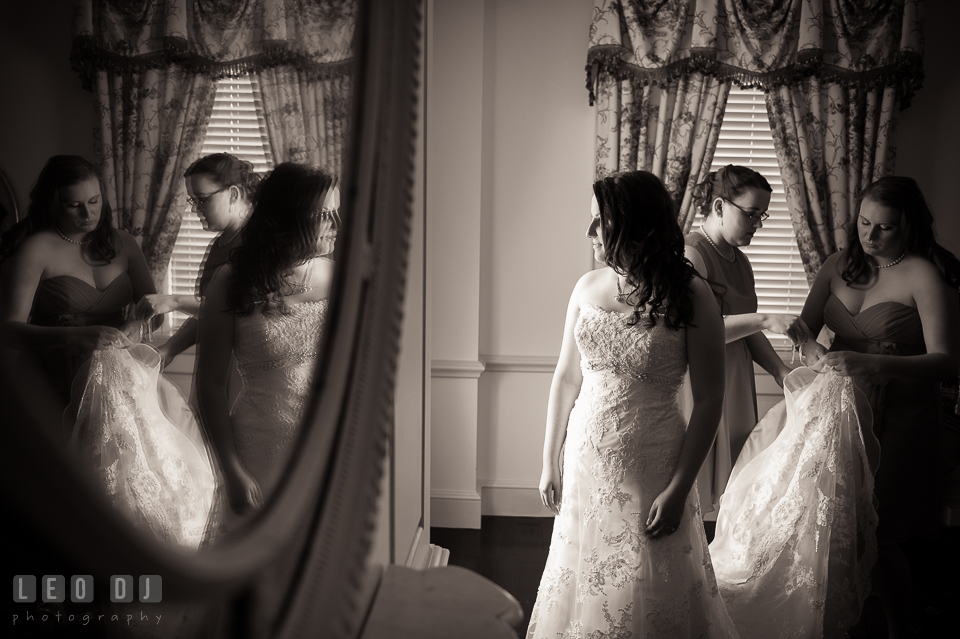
281, 233
643, 241
228, 170
727, 183
901, 194
59, 172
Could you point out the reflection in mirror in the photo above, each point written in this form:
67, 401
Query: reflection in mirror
181, 252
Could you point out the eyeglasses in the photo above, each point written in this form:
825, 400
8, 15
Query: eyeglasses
330, 214
753, 216
200, 200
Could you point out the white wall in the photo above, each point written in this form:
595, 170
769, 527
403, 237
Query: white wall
509, 169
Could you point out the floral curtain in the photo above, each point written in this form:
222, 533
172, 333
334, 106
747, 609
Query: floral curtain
669, 129
793, 51
831, 141
307, 116
153, 65
151, 126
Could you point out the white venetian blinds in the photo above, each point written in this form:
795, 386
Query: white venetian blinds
237, 127
745, 139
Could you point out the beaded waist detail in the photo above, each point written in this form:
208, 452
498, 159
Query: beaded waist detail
305, 356
662, 381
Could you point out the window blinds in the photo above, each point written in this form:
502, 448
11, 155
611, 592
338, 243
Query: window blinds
236, 126
745, 139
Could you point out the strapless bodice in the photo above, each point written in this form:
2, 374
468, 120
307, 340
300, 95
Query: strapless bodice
608, 343
65, 300
888, 327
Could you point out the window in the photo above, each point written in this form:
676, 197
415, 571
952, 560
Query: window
745, 139
236, 127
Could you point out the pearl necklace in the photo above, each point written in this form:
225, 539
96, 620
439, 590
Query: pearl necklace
728, 259
81, 242
893, 263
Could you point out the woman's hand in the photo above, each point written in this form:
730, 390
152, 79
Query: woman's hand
665, 514
95, 338
243, 491
850, 364
155, 304
790, 325
551, 487
812, 352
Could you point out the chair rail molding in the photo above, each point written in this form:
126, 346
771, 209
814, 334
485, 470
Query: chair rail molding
457, 368
519, 363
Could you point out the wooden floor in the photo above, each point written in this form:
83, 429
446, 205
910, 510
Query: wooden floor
512, 551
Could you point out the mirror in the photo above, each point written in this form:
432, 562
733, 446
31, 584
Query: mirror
189, 440
295, 564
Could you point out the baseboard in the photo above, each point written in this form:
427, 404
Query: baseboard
454, 509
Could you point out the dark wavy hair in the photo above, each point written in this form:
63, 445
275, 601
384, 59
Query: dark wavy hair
728, 183
59, 172
917, 231
281, 232
643, 241
228, 170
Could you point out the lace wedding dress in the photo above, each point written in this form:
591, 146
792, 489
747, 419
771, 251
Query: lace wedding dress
604, 577
796, 531
143, 443
276, 357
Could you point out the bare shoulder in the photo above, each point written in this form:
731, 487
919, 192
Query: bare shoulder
692, 254
923, 275
592, 285
37, 250
124, 241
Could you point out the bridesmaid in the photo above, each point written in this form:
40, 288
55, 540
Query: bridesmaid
734, 202
222, 191
67, 277
891, 299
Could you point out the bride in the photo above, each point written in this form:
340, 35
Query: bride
267, 308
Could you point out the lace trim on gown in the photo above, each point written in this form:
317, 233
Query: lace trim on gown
796, 532
143, 444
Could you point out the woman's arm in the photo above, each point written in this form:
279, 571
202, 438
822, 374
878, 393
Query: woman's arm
567, 379
154, 304
216, 334
740, 326
705, 352
184, 338
762, 353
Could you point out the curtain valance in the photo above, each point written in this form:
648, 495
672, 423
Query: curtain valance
213, 37
759, 43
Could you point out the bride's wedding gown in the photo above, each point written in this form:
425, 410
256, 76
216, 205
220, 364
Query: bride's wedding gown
796, 531
276, 357
604, 577
135, 431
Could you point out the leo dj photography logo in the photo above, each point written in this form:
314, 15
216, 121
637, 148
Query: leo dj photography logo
53, 589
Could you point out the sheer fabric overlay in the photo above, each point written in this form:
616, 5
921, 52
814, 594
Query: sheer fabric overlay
796, 531
604, 577
144, 442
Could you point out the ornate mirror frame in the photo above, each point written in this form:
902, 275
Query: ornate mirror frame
324, 511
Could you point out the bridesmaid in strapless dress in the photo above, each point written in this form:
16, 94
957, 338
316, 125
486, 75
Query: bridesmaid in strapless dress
891, 299
67, 277
267, 308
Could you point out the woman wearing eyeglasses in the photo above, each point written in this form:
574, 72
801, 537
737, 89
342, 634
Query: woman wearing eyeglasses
733, 202
222, 191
